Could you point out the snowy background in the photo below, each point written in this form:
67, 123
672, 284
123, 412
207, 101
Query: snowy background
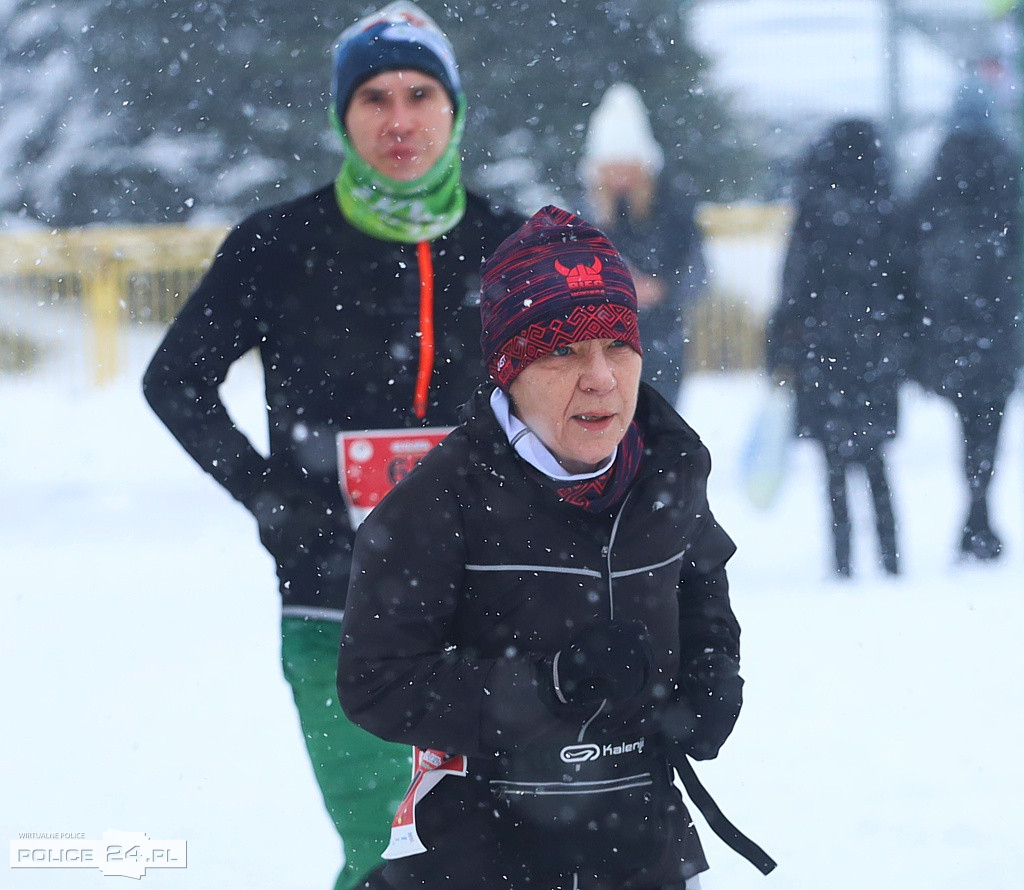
141, 690
791, 67
752, 46
797, 65
880, 744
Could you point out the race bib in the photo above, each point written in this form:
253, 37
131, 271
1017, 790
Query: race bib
428, 768
371, 462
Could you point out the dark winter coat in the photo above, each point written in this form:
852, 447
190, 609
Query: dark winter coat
963, 258
465, 575
840, 328
666, 244
333, 314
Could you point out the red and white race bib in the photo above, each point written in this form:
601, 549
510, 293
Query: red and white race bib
371, 462
428, 768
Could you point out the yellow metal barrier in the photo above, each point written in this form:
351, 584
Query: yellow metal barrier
117, 274
144, 273
744, 244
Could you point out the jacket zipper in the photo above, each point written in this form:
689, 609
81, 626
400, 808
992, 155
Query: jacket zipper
606, 552
425, 265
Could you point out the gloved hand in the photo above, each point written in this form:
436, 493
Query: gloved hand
605, 659
293, 519
706, 705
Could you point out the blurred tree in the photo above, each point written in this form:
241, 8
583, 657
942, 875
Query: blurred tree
47, 123
535, 70
162, 110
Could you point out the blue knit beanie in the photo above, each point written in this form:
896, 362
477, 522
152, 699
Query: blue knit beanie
399, 36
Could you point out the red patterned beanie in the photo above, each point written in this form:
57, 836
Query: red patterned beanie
555, 281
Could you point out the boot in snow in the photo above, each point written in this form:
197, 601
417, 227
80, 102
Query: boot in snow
978, 541
981, 544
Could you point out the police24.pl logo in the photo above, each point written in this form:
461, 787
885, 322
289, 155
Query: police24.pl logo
126, 854
583, 753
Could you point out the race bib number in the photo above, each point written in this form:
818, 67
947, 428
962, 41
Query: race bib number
371, 462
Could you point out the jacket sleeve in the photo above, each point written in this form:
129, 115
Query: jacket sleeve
401, 675
703, 710
706, 620
686, 268
215, 327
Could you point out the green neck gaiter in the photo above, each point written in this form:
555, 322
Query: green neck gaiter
418, 210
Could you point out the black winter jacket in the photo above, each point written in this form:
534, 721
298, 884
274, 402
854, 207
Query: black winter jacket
333, 314
962, 249
465, 575
840, 326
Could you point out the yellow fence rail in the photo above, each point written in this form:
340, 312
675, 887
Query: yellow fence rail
142, 274
119, 275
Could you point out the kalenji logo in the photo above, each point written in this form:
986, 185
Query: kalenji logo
579, 753
583, 753
582, 277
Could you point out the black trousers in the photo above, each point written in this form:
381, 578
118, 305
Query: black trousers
837, 464
980, 422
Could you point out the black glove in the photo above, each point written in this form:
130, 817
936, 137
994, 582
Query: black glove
293, 518
606, 659
707, 703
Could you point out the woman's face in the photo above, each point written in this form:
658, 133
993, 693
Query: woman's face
623, 177
579, 400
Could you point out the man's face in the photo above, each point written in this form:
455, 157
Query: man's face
400, 123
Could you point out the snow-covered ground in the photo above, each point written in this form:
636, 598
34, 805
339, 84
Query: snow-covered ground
880, 745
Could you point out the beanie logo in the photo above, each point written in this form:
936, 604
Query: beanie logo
582, 279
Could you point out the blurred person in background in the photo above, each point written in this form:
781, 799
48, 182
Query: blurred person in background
963, 271
653, 225
839, 332
361, 300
